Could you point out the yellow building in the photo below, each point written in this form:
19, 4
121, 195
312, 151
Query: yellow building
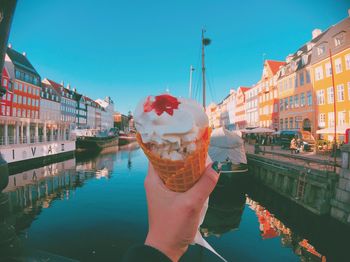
333, 44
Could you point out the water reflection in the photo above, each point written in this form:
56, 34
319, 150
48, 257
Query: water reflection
28, 192
226, 205
271, 227
106, 213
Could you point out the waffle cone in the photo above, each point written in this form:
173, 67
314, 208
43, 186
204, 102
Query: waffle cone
180, 175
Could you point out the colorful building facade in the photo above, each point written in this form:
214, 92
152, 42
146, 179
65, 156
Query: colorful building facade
251, 106
297, 109
240, 114
268, 95
332, 102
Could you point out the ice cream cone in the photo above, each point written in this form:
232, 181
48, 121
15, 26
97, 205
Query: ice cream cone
180, 175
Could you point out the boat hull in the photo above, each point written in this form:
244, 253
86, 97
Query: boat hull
95, 143
123, 140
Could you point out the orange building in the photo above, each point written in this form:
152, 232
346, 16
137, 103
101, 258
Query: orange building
296, 104
334, 43
268, 95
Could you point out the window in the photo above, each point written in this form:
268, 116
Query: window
15, 98
328, 69
24, 100
318, 73
338, 67
339, 39
349, 90
291, 122
302, 99
340, 93
322, 120
24, 88
281, 105
13, 111
321, 50
330, 95
320, 97
20, 87
18, 112
307, 76
286, 123
347, 62
286, 103
331, 119
296, 101
29, 102
301, 78
342, 118
16, 86
309, 98
19, 99
291, 101
24, 113
18, 74
4, 82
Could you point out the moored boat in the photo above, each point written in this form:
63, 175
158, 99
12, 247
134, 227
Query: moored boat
228, 150
125, 138
92, 139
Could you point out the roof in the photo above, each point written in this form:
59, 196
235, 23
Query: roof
275, 65
21, 61
244, 88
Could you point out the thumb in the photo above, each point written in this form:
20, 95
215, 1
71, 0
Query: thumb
205, 185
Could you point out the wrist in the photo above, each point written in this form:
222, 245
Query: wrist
173, 253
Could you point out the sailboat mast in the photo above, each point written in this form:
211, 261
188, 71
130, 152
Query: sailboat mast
203, 67
190, 86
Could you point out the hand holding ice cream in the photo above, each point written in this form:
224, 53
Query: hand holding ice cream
174, 134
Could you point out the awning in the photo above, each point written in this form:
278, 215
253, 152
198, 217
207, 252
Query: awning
258, 130
330, 130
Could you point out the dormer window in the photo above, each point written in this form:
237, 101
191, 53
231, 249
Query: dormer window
304, 59
339, 39
321, 49
283, 71
293, 65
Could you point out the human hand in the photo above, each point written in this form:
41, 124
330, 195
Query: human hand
174, 217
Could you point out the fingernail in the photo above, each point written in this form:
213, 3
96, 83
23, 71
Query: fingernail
215, 166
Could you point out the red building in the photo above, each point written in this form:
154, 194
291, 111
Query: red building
6, 100
26, 85
19, 114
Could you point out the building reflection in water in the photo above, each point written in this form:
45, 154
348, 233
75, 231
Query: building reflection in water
271, 227
28, 192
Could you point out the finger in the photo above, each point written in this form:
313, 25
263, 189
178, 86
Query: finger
205, 185
153, 181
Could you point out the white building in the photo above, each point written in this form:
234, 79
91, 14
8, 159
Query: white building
50, 110
107, 112
231, 109
252, 105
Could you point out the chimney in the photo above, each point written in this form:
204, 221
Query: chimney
10, 45
316, 32
68, 86
24, 54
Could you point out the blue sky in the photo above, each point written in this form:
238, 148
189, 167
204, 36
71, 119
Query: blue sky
130, 49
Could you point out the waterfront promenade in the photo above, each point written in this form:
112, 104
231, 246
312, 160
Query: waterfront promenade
304, 159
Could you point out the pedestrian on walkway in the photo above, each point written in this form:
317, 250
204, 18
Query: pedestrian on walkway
293, 146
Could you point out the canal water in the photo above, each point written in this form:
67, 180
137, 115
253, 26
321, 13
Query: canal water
93, 208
